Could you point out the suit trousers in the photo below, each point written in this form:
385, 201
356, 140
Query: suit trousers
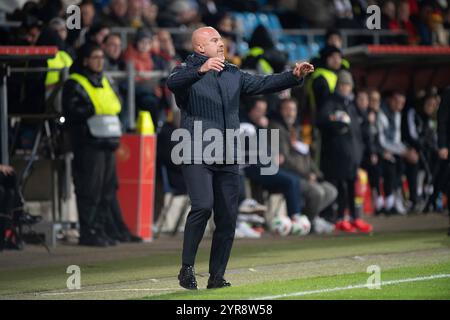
215, 188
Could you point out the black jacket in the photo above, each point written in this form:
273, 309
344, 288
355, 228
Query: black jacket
77, 108
213, 98
342, 145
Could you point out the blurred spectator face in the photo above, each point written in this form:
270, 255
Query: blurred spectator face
335, 40
225, 24
344, 89
403, 11
32, 35
166, 43
288, 111
397, 102
144, 45
60, 27
374, 101
362, 100
334, 61
389, 10
156, 44
113, 47
95, 61
258, 112
185, 11
430, 106
135, 7
87, 14
119, 7
100, 36
149, 11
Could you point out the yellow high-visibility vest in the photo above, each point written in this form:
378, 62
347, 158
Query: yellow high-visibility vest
263, 65
330, 78
61, 60
104, 99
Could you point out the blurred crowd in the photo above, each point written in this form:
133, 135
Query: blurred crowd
328, 141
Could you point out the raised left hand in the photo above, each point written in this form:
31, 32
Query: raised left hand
302, 69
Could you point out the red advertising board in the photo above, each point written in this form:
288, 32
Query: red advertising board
136, 161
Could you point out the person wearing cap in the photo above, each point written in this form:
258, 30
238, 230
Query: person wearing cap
333, 37
90, 107
139, 53
342, 150
319, 87
322, 82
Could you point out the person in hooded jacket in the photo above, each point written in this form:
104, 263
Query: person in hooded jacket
342, 151
90, 107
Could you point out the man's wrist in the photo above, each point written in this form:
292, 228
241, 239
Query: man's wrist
199, 72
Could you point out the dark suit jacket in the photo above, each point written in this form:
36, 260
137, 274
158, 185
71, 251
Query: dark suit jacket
213, 97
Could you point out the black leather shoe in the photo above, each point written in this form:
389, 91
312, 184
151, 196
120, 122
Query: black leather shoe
92, 241
187, 278
217, 282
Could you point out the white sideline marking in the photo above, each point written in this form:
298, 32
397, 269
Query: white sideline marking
105, 291
359, 286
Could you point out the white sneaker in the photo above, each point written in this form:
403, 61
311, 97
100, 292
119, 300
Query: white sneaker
251, 206
399, 206
251, 218
322, 226
379, 204
243, 230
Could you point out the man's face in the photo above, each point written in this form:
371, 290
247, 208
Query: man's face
101, 35
210, 43
362, 100
344, 89
334, 61
431, 105
95, 61
87, 14
33, 35
112, 47
397, 102
335, 40
374, 101
144, 45
289, 112
119, 7
165, 41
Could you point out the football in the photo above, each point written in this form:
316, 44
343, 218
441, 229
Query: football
281, 225
300, 225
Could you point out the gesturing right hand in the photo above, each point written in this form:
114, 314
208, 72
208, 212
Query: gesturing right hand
216, 64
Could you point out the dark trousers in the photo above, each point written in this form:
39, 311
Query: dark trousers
95, 185
284, 181
211, 187
412, 170
345, 198
374, 174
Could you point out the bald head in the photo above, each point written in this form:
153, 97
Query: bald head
207, 41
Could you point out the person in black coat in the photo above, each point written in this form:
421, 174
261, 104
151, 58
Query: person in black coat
342, 150
207, 90
94, 164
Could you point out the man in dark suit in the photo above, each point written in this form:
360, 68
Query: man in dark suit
207, 90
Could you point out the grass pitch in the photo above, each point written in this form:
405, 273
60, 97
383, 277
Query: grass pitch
280, 268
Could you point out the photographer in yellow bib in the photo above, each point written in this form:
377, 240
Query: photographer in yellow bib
90, 107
